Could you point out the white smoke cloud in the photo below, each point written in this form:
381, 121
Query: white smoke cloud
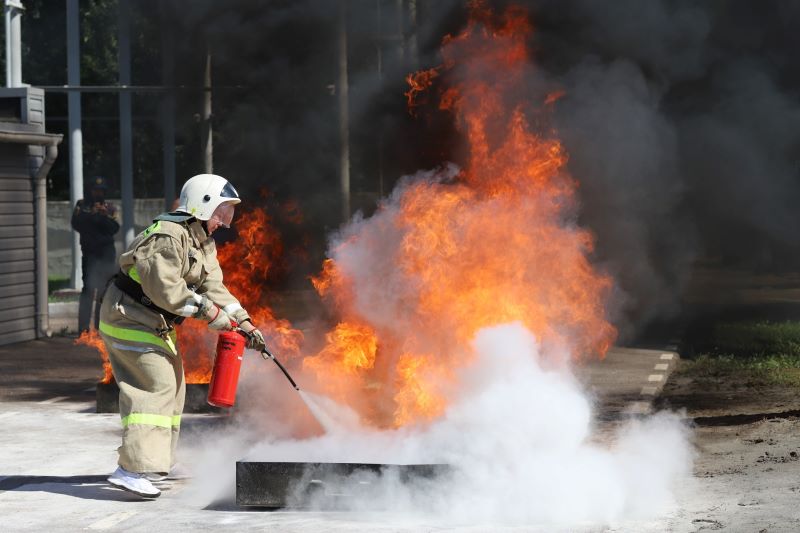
517, 438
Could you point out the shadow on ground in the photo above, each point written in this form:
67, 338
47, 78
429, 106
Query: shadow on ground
90, 487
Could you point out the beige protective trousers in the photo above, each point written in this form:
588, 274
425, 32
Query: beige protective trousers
152, 390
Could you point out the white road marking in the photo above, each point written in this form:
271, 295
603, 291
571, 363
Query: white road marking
662, 366
53, 400
655, 377
667, 356
112, 520
8, 413
649, 391
90, 389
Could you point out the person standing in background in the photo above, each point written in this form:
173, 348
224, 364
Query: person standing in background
97, 222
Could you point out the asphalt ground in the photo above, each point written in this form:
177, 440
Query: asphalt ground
56, 452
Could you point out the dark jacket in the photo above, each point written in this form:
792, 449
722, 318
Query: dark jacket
97, 228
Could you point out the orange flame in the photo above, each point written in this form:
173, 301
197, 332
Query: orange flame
419, 83
554, 96
354, 345
498, 245
92, 338
326, 279
196, 345
416, 395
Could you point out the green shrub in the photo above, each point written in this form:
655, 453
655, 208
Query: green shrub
755, 352
755, 339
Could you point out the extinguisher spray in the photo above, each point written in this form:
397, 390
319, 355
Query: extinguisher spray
228, 363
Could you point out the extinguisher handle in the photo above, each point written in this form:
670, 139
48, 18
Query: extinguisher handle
235, 327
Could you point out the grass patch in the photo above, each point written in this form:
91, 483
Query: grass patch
756, 352
755, 339
751, 371
55, 283
60, 299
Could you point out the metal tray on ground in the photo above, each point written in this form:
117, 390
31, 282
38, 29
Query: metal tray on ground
298, 484
107, 396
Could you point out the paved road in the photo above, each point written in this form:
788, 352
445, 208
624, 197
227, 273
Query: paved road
55, 451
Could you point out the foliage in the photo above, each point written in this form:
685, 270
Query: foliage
56, 283
757, 352
755, 339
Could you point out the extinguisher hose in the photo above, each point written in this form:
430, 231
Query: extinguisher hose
266, 354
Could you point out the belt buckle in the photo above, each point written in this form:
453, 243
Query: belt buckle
164, 332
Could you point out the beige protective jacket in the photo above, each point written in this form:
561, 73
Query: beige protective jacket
174, 262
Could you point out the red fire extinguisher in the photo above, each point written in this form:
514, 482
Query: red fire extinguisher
227, 363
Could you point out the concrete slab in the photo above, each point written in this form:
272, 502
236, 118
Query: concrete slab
279, 484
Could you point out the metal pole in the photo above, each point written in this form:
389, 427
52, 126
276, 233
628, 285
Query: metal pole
14, 11
167, 110
9, 59
75, 134
208, 142
42, 316
125, 128
344, 114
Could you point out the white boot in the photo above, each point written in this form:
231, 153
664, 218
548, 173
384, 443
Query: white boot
133, 482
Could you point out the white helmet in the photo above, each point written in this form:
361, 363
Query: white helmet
203, 193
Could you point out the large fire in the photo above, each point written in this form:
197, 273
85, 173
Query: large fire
449, 255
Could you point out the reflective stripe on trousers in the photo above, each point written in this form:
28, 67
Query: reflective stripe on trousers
135, 335
147, 419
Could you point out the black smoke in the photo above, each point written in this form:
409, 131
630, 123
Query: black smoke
681, 119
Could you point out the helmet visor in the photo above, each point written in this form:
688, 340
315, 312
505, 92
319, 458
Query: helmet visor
229, 192
223, 214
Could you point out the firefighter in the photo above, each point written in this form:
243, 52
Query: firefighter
96, 221
169, 273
